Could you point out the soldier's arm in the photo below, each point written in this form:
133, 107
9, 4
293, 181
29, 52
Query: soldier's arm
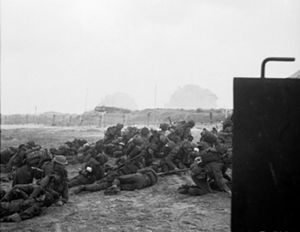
65, 193
145, 170
171, 156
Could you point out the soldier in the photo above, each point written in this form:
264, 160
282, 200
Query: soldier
214, 131
164, 127
200, 178
208, 137
228, 124
31, 167
114, 148
143, 178
129, 133
170, 151
23, 175
136, 145
26, 201
2, 192
98, 185
180, 155
18, 159
157, 141
118, 150
212, 158
183, 130
86, 152
112, 133
6, 154
129, 166
93, 170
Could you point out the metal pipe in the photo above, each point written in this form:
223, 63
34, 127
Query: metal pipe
263, 64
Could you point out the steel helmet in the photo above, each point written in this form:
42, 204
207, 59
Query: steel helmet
60, 159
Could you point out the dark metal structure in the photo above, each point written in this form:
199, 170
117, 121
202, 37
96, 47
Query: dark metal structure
281, 59
266, 153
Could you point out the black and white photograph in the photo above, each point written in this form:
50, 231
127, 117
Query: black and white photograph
149, 115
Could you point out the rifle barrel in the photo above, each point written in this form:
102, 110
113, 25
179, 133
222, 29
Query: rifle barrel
173, 172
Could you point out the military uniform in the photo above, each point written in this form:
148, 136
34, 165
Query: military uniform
212, 159
107, 181
26, 173
208, 137
98, 185
143, 178
180, 156
93, 170
23, 175
228, 124
112, 133
25, 201
21, 208
199, 176
6, 154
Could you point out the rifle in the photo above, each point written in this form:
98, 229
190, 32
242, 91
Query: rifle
37, 148
37, 169
173, 172
129, 160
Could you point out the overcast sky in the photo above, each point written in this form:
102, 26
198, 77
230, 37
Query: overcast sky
67, 55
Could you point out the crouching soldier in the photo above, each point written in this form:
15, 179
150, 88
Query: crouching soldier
199, 174
145, 177
93, 170
179, 156
212, 157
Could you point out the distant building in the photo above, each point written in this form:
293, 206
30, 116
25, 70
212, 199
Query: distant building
192, 97
120, 100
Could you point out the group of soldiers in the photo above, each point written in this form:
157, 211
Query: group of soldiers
124, 159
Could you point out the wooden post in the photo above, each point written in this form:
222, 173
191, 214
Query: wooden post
148, 118
210, 117
53, 120
101, 119
70, 120
124, 119
81, 120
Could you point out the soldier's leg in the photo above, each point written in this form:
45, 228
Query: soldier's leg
2, 193
163, 165
18, 192
34, 210
216, 169
202, 183
132, 181
79, 180
8, 208
196, 191
93, 187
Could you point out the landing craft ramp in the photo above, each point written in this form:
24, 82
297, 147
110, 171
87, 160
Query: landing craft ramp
266, 154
